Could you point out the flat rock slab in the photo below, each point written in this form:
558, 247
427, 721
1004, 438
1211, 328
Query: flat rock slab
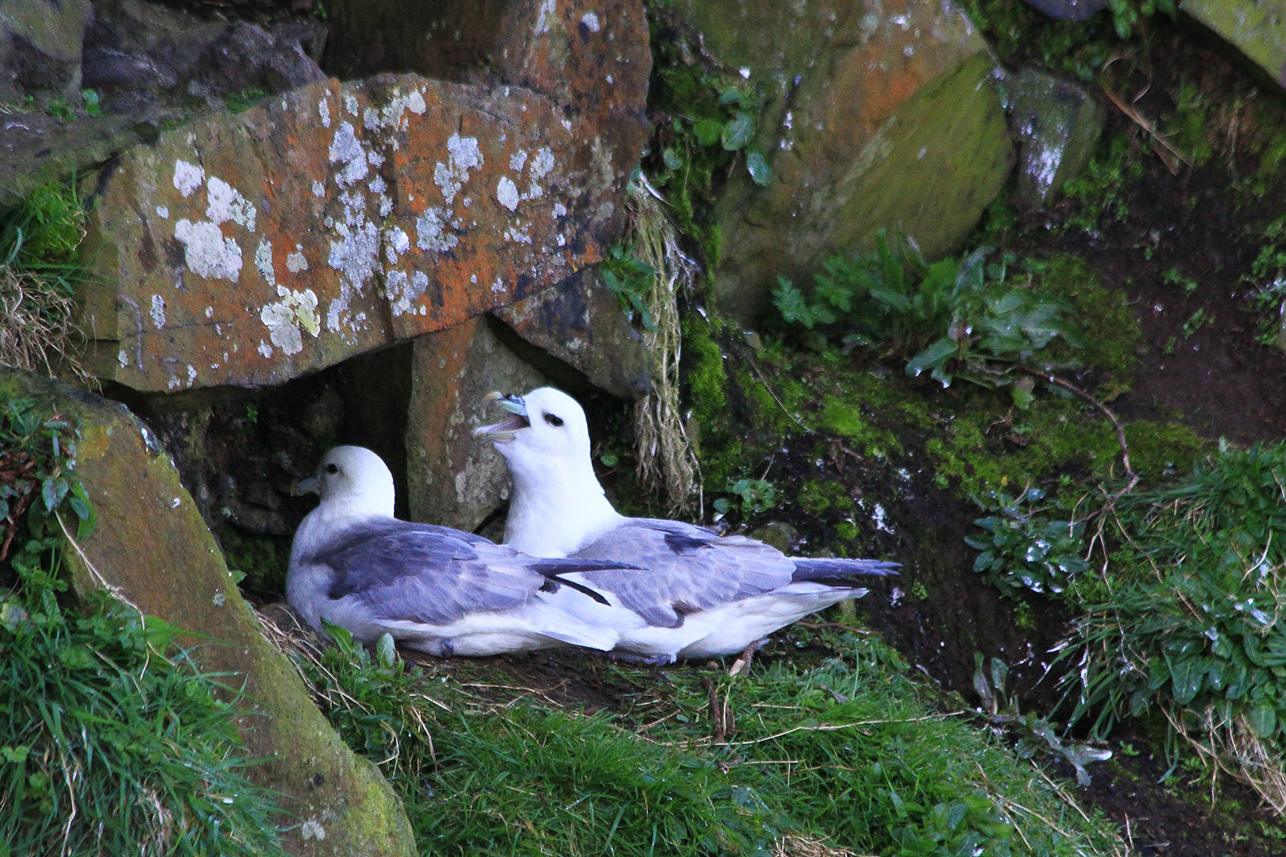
249, 249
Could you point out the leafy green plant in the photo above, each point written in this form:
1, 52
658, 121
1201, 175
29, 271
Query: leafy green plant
752, 495
705, 121
1188, 621
950, 319
1024, 548
1031, 734
109, 744
630, 279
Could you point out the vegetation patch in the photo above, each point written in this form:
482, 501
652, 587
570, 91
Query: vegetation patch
110, 745
38, 271
844, 750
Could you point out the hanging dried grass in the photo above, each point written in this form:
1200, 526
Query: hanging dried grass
667, 463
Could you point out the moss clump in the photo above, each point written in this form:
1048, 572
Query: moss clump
718, 445
261, 561
1162, 449
1104, 312
821, 496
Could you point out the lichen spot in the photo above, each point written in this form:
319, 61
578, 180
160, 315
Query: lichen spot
187, 177
158, 311
590, 20
507, 193
323, 110
206, 252
296, 261
163, 212
431, 231
517, 159
547, 9
226, 203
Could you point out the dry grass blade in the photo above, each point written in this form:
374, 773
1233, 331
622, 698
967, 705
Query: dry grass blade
665, 454
793, 845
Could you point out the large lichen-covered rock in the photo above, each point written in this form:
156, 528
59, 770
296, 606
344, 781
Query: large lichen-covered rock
151, 544
1255, 28
454, 478
248, 249
876, 115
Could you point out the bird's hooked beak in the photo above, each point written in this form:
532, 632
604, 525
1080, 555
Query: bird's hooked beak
503, 432
310, 484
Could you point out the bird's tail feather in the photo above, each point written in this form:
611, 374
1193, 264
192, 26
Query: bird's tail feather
840, 572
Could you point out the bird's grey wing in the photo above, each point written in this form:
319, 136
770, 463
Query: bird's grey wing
424, 573
685, 568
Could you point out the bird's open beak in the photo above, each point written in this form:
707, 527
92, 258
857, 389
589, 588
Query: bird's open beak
503, 432
308, 485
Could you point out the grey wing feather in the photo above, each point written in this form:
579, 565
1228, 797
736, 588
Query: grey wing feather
420, 572
686, 568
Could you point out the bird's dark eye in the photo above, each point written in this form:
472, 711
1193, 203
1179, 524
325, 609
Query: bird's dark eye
553, 420
332, 468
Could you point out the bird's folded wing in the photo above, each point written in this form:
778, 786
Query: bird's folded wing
420, 572
683, 568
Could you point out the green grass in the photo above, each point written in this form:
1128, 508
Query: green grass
39, 269
848, 751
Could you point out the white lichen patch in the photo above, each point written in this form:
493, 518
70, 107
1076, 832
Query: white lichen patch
265, 350
507, 193
547, 10
590, 20
323, 110
542, 163
518, 235
224, 203
404, 291
319, 189
392, 115
206, 252
289, 317
517, 159
346, 149
297, 261
163, 212
355, 254
396, 242
158, 311
187, 178
463, 155
263, 262
432, 231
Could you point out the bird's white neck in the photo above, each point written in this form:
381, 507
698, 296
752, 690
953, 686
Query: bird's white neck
557, 511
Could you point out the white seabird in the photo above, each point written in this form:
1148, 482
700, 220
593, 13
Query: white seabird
435, 589
698, 594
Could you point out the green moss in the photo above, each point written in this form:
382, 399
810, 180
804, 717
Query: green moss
260, 560
1162, 449
1105, 314
819, 496
718, 446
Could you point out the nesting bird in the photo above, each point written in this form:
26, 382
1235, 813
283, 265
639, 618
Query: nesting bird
435, 589
698, 594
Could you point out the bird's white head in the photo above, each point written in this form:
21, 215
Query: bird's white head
545, 433
352, 481
558, 503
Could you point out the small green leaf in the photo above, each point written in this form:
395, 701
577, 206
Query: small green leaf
1262, 718
738, 133
758, 167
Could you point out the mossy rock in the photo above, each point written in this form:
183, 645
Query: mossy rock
151, 545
